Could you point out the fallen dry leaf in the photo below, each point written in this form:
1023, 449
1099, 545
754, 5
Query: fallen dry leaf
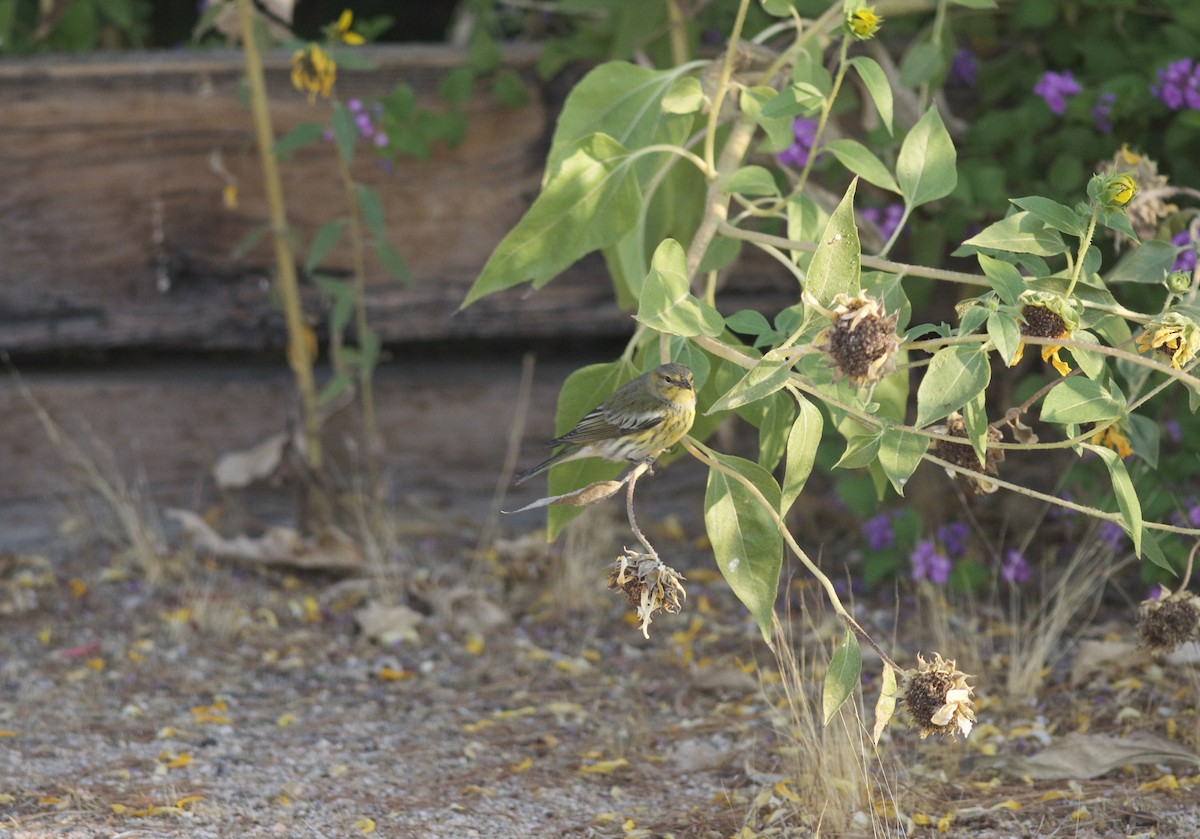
235, 470
1082, 756
331, 550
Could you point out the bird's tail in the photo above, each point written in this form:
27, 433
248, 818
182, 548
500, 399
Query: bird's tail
542, 467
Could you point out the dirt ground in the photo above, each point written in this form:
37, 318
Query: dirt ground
512, 696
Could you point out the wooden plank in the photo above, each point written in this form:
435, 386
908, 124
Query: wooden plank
115, 234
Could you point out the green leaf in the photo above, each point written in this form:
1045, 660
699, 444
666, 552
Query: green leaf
1089, 361
1007, 281
1127, 498
750, 180
668, 305
456, 86
975, 4
746, 542
1019, 233
835, 266
509, 90
900, 454
372, 209
342, 294
778, 129
345, 132
323, 242
589, 203
304, 134
861, 449
1077, 400
955, 375
925, 168
921, 64
1148, 262
248, 242
974, 414
1053, 214
842, 677
876, 82
392, 261
777, 8
861, 161
623, 101
1005, 333
684, 96
335, 387
778, 411
764, 378
803, 442
583, 390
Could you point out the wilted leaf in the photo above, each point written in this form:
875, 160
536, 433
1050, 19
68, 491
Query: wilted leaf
589, 494
235, 470
1082, 756
886, 705
330, 550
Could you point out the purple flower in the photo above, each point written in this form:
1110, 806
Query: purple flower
380, 140
1014, 570
887, 219
1056, 88
1111, 534
804, 131
1173, 431
354, 105
1102, 112
954, 538
963, 68
1186, 260
928, 563
877, 530
1157, 592
1178, 85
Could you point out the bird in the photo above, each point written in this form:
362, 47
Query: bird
640, 421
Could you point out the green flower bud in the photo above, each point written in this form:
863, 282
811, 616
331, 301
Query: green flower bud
1179, 281
1113, 191
863, 23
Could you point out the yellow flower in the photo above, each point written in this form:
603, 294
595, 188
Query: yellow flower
1174, 335
1111, 437
863, 23
1117, 190
313, 71
341, 30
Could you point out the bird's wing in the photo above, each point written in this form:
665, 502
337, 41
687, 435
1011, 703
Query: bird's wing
607, 425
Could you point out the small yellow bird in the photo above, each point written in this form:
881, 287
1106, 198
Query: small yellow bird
637, 423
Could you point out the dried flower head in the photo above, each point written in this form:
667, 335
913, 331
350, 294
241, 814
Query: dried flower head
1174, 335
861, 340
963, 454
1046, 315
1147, 207
650, 585
1165, 624
938, 698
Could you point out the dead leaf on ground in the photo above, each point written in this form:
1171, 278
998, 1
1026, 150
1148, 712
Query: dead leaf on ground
235, 470
1082, 756
1094, 656
388, 624
331, 550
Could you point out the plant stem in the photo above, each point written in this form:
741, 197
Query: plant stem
718, 98
826, 107
285, 266
362, 328
678, 37
637, 472
1084, 244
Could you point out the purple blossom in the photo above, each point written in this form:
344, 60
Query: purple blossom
1173, 431
928, 563
1102, 112
1111, 534
1014, 570
877, 530
804, 132
953, 537
1179, 85
1056, 88
963, 68
1157, 592
1186, 260
886, 219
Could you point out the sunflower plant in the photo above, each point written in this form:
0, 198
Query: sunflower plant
670, 173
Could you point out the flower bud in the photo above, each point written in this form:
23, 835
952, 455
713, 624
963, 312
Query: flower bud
1179, 281
863, 23
1113, 191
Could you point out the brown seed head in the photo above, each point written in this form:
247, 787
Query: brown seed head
861, 340
938, 698
1165, 624
1040, 322
963, 455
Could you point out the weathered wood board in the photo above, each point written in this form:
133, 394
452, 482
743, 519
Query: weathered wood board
113, 232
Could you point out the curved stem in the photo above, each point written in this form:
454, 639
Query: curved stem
1084, 244
714, 112
823, 119
696, 449
637, 472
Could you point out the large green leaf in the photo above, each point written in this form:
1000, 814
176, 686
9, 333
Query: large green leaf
876, 82
1077, 400
841, 678
747, 544
666, 303
1057, 216
767, 376
926, 168
623, 101
1021, 232
1148, 262
1127, 498
836, 264
955, 375
861, 161
900, 454
589, 203
802, 444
